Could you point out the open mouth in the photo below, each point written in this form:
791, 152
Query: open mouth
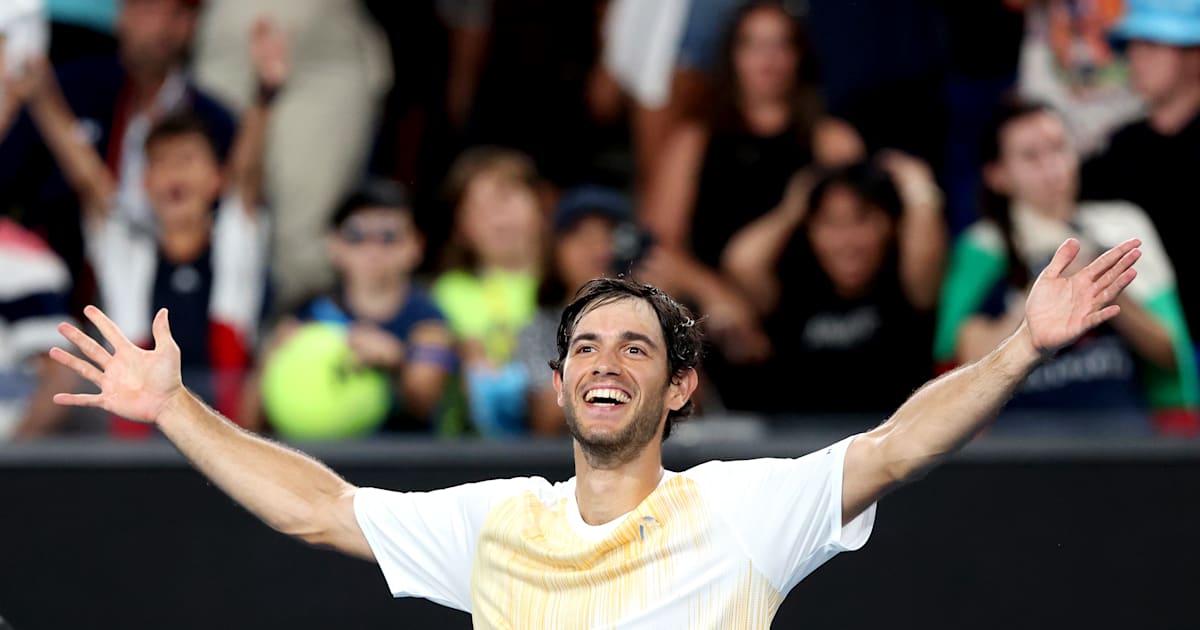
605, 397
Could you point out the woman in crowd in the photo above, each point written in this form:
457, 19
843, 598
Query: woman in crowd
1138, 361
722, 172
845, 273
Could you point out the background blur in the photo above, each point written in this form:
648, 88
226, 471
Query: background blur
365, 218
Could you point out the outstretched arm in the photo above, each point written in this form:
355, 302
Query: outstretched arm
289, 491
944, 415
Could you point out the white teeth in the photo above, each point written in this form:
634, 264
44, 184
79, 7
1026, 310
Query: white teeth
614, 394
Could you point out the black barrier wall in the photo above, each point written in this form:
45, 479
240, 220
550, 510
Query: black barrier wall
1005, 536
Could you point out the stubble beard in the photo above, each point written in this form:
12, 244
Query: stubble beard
611, 450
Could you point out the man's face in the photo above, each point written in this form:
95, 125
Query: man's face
615, 389
183, 178
1158, 71
153, 34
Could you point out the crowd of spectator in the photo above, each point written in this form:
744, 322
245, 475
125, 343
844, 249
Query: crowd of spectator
367, 216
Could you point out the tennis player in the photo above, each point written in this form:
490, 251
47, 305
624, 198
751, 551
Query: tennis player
624, 543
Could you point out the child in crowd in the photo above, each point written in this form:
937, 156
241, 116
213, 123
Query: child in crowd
391, 324
204, 255
489, 288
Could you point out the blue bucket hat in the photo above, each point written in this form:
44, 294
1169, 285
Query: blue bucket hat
1170, 22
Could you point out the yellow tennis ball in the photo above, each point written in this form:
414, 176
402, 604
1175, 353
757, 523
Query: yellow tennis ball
312, 390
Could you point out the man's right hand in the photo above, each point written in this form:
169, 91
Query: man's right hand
134, 383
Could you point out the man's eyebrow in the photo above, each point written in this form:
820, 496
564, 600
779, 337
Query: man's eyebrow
629, 335
587, 336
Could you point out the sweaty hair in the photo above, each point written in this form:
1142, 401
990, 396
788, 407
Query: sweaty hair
996, 206
178, 125
680, 329
372, 193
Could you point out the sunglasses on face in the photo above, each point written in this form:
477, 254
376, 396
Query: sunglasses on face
355, 235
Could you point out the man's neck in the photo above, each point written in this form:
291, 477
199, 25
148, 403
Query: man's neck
605, 493
1171, 116
377, 302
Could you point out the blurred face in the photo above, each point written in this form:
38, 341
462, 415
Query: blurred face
183, 178
850, 240
1158, 71
614, 388
500, 220
153, 35
764, 56
1038, 164
376, 246
585, 251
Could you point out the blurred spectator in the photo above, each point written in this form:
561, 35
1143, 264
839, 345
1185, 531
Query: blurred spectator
390, 324
847, 277
1153, 162
1140, 358
593, 236
489, 288
718, 175
1068, 62
116, 100
33, 300
662, 53
325, 123
205, 259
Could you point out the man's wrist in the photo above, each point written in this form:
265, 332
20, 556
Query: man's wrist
175, 406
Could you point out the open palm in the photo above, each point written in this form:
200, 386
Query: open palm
134, 383
1060, 308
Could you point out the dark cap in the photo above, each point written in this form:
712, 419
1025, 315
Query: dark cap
591, 200
371, 193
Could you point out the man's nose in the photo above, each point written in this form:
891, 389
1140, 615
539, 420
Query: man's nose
606, 363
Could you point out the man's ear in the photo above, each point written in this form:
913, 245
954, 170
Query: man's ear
681, 389
558, 387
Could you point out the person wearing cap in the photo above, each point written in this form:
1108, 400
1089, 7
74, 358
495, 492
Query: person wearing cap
1153, 162
592, 230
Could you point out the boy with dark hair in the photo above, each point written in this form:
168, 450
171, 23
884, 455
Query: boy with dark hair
204, 254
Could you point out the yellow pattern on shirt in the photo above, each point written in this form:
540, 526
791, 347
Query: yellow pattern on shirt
533, 571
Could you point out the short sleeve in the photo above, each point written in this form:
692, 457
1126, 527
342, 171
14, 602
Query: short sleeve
425, 542
786, 512
423, 308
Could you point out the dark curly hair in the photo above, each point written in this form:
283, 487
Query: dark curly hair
680, 330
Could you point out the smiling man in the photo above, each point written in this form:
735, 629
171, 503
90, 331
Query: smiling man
624, 543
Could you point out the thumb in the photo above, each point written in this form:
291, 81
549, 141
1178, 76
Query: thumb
162, 330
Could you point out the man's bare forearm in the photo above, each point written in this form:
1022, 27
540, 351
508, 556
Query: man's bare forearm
288, 490
935, 422
945, 414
